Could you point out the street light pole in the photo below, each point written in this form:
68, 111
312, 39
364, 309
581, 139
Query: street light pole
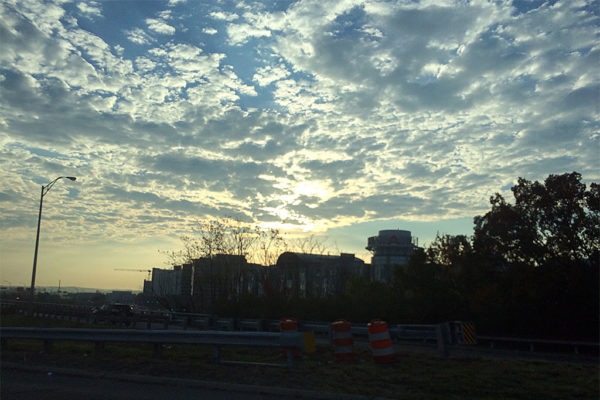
37, 242
45, 190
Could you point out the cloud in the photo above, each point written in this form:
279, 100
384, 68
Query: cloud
317, 113
241, 33
269, 74
90, 9
160, 26
139, 36
224, 16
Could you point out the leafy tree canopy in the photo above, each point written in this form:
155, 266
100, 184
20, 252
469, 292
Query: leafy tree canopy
555, 222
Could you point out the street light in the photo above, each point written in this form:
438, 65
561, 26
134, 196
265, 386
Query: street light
45, 190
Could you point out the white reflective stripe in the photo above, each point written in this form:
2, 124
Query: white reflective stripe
383, 352
345, 350
379, 336
342, 335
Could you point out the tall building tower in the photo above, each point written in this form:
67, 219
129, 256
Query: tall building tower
389, 248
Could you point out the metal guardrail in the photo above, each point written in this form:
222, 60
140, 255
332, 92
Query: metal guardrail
443, 336
438, 334
533, 343
288, 341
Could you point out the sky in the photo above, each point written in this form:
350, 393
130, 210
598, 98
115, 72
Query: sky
328, 118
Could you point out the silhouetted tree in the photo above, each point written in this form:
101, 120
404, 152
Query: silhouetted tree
558, 222
232, 237
269, 245
424, 291
447, 249
547, 245
309, 245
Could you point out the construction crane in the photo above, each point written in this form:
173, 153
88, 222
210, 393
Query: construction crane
149, 271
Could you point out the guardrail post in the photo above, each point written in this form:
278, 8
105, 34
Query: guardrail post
290, 358
442, 334
47, 346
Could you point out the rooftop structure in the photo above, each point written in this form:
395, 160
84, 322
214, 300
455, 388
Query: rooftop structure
389, 248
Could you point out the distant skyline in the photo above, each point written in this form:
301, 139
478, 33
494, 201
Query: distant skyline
332, 118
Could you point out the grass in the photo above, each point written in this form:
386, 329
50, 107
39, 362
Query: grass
414, 376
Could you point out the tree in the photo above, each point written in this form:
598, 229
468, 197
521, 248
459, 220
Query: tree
238, 237
554, 222
310, 245
547, 245
269, 245
207, 240
232, 237
447, 249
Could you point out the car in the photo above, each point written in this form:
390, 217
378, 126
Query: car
114, 310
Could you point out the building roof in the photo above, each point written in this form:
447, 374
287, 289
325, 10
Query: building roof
317, 258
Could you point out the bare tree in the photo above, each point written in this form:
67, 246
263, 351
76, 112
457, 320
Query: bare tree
207, 240
211, 239
269, 245
310, 245
239, 237
190, 251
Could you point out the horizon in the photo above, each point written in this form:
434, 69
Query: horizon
167, 265
325, 118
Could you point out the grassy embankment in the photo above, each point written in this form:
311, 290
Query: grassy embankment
414, 376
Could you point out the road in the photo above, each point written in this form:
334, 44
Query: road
17, 384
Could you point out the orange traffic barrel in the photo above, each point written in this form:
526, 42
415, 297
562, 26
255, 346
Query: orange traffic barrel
289, 324
381, 344
342, 340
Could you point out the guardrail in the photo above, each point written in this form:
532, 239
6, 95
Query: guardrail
441, 335
532, 344
288, 341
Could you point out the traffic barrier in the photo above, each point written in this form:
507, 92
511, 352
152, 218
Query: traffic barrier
469, 333
464, 332
203, 322
224, 324
285, 340
289, 325
251, 325
272, 325
381, 344
342, 340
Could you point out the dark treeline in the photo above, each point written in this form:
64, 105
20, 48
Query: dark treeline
530, 269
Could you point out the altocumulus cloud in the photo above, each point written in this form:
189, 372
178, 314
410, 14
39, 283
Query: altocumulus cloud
312, 114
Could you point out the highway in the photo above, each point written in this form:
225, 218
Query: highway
18, 384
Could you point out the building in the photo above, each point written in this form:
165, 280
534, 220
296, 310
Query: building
300, 274
389, 248
225, 276
147, 287
171, 282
